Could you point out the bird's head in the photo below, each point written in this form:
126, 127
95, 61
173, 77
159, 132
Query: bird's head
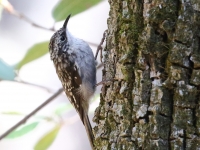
59, 41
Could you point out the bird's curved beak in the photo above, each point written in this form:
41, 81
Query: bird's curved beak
66, 21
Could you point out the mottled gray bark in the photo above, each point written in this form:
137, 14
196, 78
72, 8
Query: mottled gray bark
152, 59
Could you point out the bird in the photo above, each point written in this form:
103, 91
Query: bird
76, 68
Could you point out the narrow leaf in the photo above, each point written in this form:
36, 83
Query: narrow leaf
6, 72
66, 7
47, 139
33, 53
22, 131
11, 113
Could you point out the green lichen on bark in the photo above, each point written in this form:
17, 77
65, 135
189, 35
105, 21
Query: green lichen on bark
152, 59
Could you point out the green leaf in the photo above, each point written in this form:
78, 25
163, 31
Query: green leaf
33, 53
46, 118
12, 113
47, 139
22, 131
66, 7
63, 108
6, 72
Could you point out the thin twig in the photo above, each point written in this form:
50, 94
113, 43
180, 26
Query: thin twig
19, 80
99, 66
21, 16
104, 82
92, 44
32, 113
99, 48
10, 9
32, 84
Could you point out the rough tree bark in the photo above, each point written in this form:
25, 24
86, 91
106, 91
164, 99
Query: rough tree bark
152, 59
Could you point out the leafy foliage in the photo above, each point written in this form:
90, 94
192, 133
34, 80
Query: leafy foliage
66, 7
47, 139
6, 72
33, 53
23, 130
12, 113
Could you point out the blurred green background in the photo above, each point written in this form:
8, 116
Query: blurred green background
28, 78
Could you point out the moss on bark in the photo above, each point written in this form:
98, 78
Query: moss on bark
153, 54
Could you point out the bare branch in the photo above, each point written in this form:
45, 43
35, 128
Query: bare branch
99, 48
21, 16
92, 44
18, 80
32, 113
10, 9
99, 66
31, 84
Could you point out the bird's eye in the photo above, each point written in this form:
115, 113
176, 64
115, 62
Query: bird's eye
62, 38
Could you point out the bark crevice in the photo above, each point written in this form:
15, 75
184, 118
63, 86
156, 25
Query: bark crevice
153, 55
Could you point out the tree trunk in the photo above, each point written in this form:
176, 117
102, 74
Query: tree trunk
151, 97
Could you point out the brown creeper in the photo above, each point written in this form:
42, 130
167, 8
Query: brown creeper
75, 66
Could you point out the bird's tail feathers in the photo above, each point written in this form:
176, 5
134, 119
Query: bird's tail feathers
88, 128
